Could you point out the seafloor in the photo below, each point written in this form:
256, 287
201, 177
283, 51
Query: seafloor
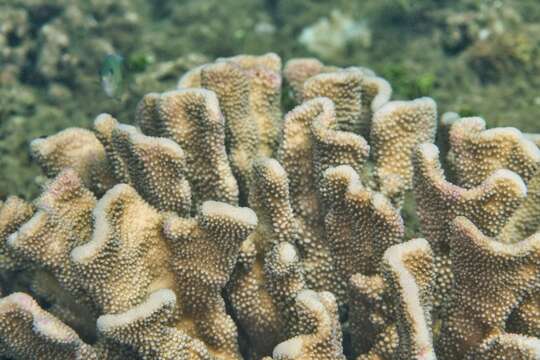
473, 57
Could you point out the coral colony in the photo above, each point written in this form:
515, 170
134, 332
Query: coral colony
219, 228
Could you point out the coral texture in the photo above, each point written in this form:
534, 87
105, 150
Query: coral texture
221, 228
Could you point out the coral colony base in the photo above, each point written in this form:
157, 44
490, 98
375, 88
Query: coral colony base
220, 229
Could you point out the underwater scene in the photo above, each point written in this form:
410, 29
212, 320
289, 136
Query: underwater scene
269, 179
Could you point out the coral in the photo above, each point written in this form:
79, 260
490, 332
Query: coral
29, 332
13, 213
323, 339
477, 152
218, 228
514, 271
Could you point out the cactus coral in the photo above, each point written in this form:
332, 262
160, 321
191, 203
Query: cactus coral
220, 229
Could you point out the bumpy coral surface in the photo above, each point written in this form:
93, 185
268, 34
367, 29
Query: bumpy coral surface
221, 228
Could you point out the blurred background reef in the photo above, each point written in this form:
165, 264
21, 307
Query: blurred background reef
474, 57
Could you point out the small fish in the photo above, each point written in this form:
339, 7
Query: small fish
112, 75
